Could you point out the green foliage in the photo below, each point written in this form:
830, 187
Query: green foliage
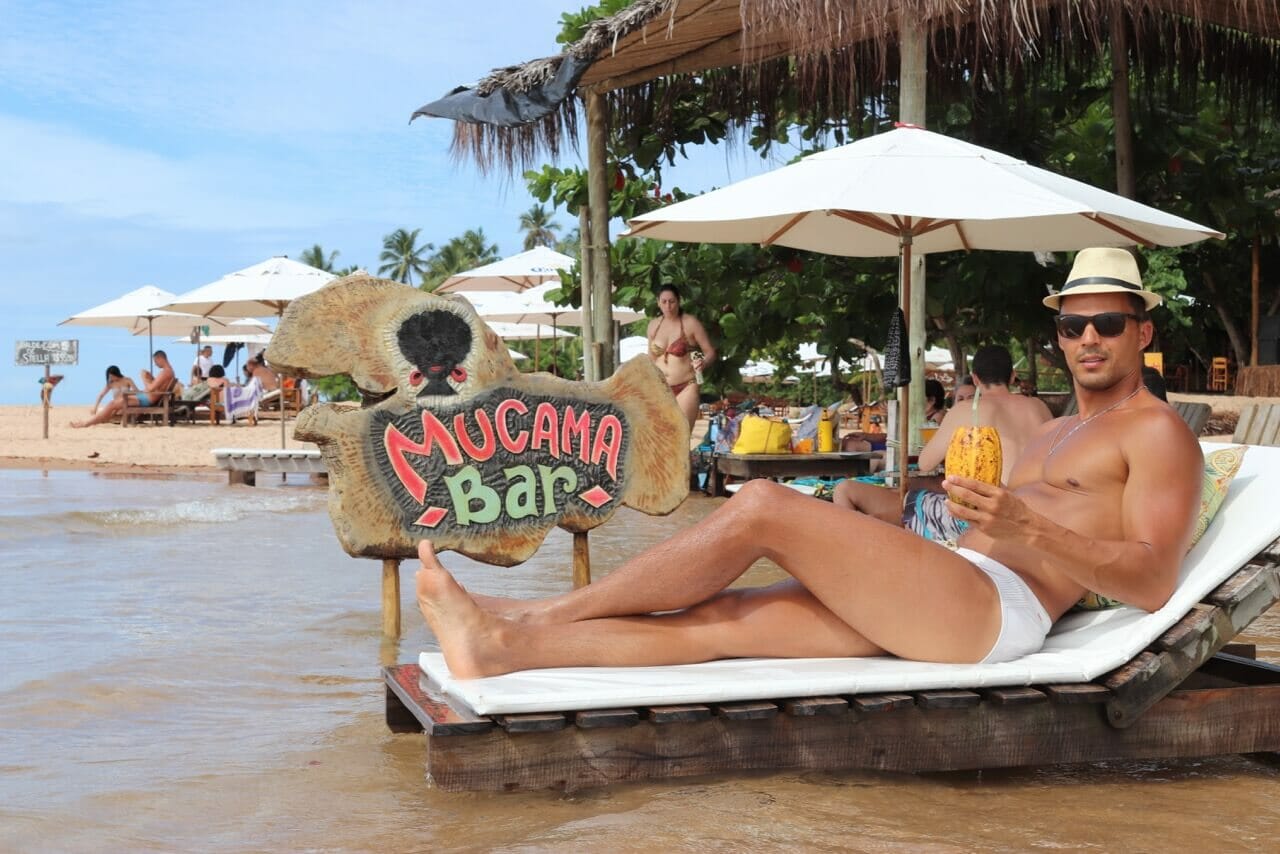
338, 387
538, 227
402, 256
316, 257
574, 24
467, 251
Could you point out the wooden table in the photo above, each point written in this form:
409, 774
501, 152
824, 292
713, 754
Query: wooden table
747, 466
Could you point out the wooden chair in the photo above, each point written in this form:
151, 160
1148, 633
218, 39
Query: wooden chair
1195, 414
160, 407
1219, 374
1258, 425
1176, 379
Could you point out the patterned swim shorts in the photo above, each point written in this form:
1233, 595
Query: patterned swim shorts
926, 514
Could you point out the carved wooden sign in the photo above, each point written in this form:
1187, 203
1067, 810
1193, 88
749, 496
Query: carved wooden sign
460, 447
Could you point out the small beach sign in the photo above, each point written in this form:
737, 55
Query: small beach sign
43, 354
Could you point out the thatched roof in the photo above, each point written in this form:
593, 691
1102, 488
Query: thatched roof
747, 55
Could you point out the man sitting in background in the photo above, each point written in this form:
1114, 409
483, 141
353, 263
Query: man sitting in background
1016, 418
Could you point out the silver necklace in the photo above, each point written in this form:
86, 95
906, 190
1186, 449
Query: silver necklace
1058, 439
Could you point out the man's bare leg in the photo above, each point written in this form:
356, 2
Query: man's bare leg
902, 593
734, 624
876, 501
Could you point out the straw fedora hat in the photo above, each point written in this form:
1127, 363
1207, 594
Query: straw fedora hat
1104, 270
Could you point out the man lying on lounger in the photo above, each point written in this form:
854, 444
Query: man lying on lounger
1104, 501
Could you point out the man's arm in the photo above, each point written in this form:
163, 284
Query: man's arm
935, 450
1158, 510
161, 381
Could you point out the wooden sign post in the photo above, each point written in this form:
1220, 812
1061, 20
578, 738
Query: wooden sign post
456, 446
46, 353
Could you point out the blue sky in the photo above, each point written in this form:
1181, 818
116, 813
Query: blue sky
169, 143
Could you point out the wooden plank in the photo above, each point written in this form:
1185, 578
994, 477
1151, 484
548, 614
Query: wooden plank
533, 722
989, 735
1243, 650
1184, 632
1077, 693
947, 699
678, 714
754, 711
875, 703
602, 718
1014, 696
808, 706
426, 703
1248, 579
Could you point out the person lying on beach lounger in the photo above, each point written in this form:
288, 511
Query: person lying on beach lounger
1105, 500
1017, 418
152, 384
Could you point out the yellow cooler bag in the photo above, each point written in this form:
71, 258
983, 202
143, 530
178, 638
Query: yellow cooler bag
758, 435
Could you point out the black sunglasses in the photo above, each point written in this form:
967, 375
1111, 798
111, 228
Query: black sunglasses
1109, 324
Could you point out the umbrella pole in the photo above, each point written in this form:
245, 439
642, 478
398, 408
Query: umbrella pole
284, 408
904, 392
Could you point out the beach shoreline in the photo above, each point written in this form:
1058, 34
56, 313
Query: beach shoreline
148, 450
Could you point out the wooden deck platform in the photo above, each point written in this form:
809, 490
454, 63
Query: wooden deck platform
1181, 697
243, 464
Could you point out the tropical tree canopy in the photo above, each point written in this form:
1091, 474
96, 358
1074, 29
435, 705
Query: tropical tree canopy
464, 252
315, 257
538, 227
402, 256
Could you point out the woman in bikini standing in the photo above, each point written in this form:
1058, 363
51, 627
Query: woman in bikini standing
673, 338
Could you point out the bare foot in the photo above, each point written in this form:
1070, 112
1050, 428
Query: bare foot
472, 640
78, 424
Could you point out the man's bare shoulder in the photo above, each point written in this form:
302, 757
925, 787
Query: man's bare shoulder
1156, 430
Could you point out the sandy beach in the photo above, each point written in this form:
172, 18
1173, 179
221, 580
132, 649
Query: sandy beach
110, 446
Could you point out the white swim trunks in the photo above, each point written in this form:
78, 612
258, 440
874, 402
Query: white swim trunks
1024, 623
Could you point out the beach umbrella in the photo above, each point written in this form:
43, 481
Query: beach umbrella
911, 190
138, 312
632, 346
516, 273
262, 290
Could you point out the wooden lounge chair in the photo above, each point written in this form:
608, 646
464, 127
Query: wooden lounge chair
159, 410
1196, 415
1185, 692
1259, 424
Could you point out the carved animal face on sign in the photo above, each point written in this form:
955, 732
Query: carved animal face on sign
459, 447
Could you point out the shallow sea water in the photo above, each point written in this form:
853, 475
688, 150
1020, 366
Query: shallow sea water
186, 665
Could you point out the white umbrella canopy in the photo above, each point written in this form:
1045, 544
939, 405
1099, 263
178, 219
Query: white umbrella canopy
526, 331
854, 200
632, 346
261, 290
263, 338
532, 306
137, 312
516, 273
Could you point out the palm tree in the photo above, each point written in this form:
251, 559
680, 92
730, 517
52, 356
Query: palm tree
538, 228
315, 257
469, 250
402, 256
570, 243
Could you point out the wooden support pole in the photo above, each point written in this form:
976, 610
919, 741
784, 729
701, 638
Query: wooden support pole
46, 393
589, 370
913, 70
1126, 181
1255, 282
581, 560
598, 192
391, 597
